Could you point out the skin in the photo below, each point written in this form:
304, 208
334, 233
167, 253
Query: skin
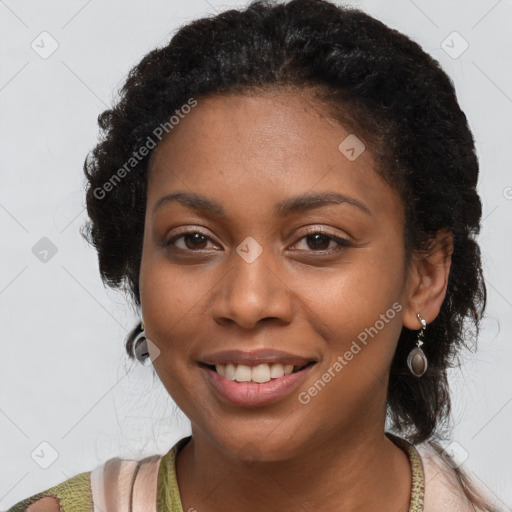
249, 152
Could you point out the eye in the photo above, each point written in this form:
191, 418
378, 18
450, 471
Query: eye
320, 241
316, 241
192, 241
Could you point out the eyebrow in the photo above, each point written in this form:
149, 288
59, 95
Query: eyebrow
300, 203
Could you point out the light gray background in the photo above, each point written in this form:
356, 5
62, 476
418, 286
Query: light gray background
64, 378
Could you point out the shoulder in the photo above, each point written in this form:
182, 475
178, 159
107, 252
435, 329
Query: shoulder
124, 484
117, 484
72, 494
442, 488
446, 488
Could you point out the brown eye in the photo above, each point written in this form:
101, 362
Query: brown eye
192, 241
195, 241
318, 241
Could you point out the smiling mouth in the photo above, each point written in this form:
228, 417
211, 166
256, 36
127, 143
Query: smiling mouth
259, 374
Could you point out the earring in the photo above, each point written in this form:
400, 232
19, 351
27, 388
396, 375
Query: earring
417, 361
140, 347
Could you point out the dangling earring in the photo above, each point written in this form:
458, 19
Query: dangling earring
140, 347
417, 361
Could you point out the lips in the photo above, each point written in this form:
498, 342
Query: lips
250, 379
255, 357
257, 366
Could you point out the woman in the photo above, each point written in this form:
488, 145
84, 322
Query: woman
288, 193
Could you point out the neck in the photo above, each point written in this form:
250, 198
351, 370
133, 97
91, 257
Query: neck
363, 472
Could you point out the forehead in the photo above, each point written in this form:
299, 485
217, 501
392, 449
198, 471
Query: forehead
266, 146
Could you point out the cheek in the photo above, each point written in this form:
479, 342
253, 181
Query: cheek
173, 302
173, 308
358, 310
354, 295
359, 316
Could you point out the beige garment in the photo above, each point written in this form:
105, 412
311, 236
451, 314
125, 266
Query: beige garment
443, 492
121, 485
117, 476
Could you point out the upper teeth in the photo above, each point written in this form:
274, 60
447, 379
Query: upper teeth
261, 373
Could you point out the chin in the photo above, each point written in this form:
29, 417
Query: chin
249, 445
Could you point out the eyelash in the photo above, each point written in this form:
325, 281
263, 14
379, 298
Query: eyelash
342, 243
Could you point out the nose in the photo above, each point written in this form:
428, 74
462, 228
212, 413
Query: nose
252, 292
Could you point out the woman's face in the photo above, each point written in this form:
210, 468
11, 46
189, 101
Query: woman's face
254, 275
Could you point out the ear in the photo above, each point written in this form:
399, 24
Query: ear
427, 280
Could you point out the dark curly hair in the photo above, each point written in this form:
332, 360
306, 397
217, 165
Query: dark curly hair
370, 78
